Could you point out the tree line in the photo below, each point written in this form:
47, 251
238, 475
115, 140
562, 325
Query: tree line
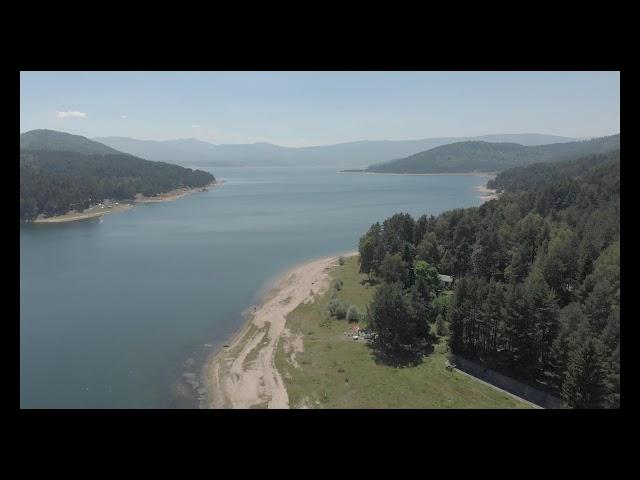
56, 182
537, 278
407, 301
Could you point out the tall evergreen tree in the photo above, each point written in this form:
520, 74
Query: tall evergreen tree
584, 385
399, 331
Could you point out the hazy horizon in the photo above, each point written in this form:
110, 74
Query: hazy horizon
298, 109
97, 138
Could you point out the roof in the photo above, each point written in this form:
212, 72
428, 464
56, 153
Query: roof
445, 278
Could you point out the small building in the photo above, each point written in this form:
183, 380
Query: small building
446, 281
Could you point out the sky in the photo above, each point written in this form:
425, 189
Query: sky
319, 108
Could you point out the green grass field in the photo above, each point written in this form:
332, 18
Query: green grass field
335, 371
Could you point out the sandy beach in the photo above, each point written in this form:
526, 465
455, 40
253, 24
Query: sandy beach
486, 193
92, 212
175, 194
243, 374
473, 173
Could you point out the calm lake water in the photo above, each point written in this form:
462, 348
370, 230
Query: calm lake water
110, 310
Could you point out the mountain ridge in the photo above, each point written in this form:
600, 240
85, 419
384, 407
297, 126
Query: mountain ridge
467, 156
53, 140
358, 153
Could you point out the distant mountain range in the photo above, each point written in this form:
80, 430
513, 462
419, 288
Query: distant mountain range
60, 170
194, 152
182, 152
481, 156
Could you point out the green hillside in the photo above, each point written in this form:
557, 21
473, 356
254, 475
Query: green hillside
477, 156
51, 140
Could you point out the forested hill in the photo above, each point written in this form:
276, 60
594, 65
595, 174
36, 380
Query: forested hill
54, 182
477, 156
51, 140
537, 278
527, 178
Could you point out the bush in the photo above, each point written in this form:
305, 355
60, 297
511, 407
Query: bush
334, 303
353, 315
338, 284
337, 308
441, 326
341, 261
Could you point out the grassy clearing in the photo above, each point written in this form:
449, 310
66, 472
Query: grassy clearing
337, 372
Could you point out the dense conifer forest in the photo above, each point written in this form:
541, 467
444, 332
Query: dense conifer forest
536, 275
55, 182
61, 172
52, 140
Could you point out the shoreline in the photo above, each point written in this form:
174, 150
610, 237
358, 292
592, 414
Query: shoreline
176, 193
242, 374
94, 212
486, 194
78, 216
473, 173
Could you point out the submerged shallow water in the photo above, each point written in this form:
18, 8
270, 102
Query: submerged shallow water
111, 309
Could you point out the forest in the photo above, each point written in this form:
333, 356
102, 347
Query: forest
53, 182
536, 275
476, 156
52, 140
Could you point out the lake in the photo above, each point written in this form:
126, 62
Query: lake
111, 309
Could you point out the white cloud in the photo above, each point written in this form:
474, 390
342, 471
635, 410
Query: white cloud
123, 116
71, 114
195, 126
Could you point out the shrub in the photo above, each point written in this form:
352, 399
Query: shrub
441, 326
353, 315
341, 311
341, 261
334, 303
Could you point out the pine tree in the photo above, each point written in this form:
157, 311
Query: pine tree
399, 328
457, 314
584, 385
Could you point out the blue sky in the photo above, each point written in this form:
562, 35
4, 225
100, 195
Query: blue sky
318, 108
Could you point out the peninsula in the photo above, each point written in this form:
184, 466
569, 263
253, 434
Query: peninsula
66, 177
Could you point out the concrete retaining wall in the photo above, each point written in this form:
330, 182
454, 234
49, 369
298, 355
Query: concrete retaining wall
515, 387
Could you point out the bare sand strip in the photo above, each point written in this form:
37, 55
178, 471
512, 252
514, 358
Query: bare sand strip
244, 375
175, 194
484, 190
472, 173
86, 214
487, 193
